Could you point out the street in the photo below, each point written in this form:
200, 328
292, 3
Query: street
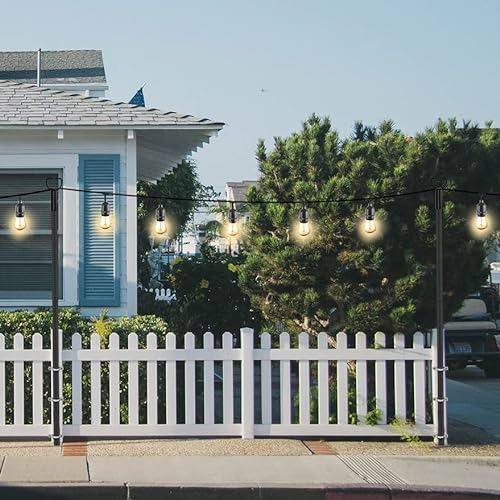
473, 406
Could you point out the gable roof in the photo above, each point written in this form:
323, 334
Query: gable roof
29, 106
57, 67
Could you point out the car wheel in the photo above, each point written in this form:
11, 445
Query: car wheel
492, 371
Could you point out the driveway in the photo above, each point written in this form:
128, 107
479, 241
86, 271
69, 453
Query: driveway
473, 406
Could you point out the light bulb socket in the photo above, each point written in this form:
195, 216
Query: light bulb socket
481, 208
105, 209
232, 214
303, 217
20, 209
160, 213
370, 211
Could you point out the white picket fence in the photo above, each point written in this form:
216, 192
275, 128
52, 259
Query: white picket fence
222, 391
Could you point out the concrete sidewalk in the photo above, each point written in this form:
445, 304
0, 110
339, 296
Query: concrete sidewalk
252, 477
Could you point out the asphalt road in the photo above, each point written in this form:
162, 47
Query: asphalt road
473, 406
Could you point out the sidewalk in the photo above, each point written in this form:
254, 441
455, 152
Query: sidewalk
249, 477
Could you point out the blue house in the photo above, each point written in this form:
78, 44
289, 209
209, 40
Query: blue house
92, 144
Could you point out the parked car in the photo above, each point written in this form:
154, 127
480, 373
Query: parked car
471, 339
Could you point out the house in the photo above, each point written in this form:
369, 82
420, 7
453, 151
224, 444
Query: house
95, 145
79, 71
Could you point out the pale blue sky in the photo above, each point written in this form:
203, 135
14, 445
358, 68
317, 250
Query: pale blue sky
412, 61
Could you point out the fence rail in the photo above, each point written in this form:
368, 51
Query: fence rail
234, 389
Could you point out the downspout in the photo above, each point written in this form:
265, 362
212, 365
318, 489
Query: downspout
38, 67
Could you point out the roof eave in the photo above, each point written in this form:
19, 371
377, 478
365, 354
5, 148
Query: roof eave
132, 126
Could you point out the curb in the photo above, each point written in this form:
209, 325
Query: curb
99, 491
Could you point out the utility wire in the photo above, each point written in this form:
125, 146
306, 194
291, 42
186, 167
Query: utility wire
21, 195
253, 202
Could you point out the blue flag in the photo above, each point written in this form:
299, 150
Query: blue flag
138, 99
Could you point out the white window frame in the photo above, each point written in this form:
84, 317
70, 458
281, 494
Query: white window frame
67, 164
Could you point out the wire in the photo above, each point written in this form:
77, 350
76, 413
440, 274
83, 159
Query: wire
476, 193
255, 202
21, 195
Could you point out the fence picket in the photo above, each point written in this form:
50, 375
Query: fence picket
133, 382
399, 379
361, 380
208, 381
381, 380
304, 383
266, 381
171, 382
76, 382
323, 383
342, 382
95, 382
285, 386
152, 382
37, 381
2, 381
419, 381
227, 381
189, 382
18, 382
114, 382
247, 384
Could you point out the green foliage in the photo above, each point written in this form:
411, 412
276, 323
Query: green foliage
208, 296
405, 430
334, 279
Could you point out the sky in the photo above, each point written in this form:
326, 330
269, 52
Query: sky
264, 66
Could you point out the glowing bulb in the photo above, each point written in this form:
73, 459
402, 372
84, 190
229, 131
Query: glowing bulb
161, 223
370, 226
105, 216
304, 228
481, 219
20, 219
232, 229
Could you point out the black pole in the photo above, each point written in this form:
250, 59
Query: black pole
56, 359
441, 438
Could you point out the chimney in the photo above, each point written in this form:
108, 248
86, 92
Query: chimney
38, 67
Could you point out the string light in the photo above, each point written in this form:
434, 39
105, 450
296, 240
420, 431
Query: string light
304, 229
161, 223
233, 225
20, 219
370, 226
105, 214
481, 219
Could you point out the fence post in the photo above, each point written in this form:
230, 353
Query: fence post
247, 384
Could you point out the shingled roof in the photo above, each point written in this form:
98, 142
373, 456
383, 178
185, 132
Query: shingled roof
57, 66
23, 105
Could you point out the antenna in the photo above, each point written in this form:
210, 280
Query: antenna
38, 67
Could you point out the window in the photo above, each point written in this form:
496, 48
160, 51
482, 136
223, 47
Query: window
25, 256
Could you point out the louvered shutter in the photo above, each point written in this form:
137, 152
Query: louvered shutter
99, 273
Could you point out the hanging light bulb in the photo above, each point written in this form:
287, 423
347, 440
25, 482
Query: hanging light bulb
304, 229
20, 219
233, 225
161, 223
370, 226
481, 219
105, 216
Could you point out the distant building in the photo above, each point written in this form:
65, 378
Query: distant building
80, 71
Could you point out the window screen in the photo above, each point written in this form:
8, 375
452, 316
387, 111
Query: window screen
25, 256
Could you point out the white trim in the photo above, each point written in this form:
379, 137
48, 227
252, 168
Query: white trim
131, 226
68, 165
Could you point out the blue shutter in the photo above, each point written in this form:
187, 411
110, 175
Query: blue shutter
99, 273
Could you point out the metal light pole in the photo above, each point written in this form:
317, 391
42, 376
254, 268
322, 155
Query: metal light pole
442, 437
56, 365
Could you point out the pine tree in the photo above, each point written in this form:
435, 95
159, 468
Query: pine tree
333, 279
